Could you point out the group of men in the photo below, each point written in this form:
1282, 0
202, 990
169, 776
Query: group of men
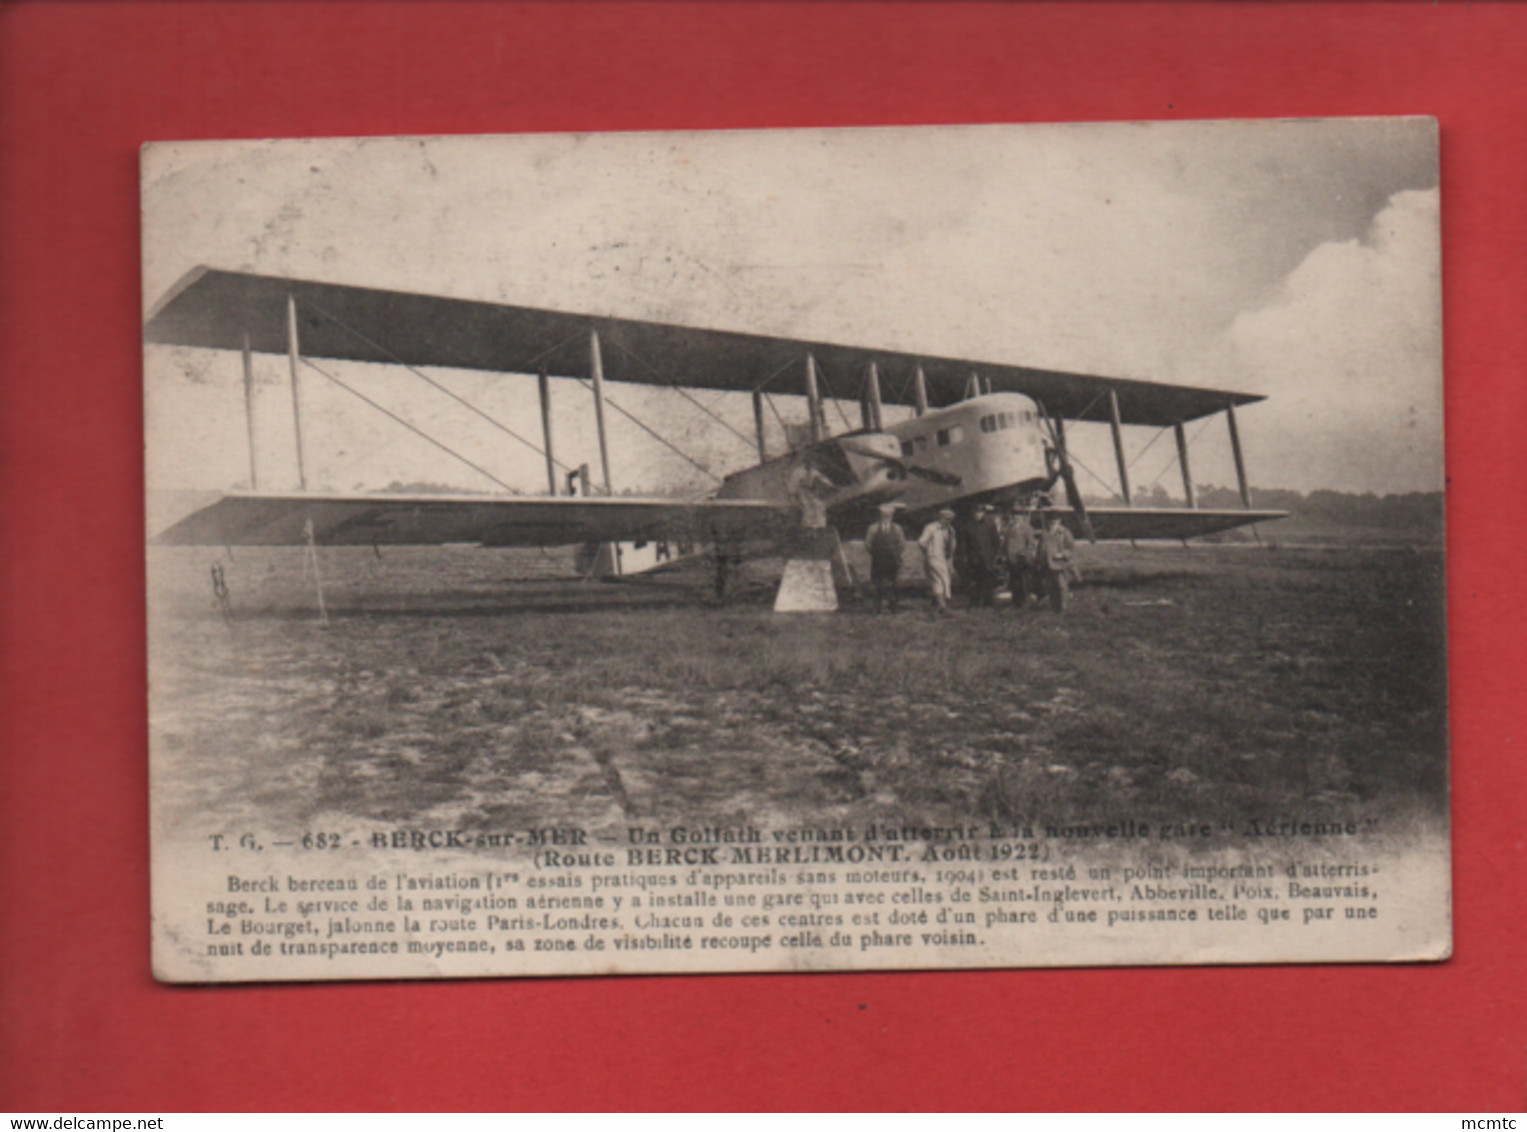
1037, 558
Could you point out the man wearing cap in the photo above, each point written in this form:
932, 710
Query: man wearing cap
985, 552
1020, 543
938, 545
1055, 548
885, 543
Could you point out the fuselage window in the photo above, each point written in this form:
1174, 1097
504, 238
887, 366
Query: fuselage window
999, 422
907, 448
951, 435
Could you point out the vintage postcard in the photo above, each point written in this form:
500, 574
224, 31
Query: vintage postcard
796, 550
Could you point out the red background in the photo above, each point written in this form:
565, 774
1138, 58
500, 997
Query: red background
83, 1026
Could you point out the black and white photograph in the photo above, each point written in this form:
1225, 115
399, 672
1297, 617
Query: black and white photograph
834, 549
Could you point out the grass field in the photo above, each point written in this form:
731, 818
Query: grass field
472, 688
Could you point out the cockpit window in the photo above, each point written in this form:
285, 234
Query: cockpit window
998, 422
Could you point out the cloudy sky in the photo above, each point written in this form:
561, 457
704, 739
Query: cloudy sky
1295, 259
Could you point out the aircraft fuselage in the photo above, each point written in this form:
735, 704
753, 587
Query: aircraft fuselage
995, 445
989, 448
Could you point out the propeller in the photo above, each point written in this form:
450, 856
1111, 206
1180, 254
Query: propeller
1065, 472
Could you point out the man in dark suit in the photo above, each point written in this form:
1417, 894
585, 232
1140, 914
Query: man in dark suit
885, 543
985, 557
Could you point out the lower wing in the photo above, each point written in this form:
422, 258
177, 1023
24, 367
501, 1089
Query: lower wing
263, 519
1159, 522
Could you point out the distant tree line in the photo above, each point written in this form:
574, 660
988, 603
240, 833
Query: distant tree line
1419, 511
421, 487
1416, 510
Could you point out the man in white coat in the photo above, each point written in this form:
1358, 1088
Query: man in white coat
938, 544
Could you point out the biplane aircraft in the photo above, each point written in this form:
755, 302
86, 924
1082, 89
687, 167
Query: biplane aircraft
981, 431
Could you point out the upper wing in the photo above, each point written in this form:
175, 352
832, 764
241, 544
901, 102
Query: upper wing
262, 519
1159, 522
218, 309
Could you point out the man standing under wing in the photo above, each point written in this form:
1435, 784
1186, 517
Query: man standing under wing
938, 544
1019, 543
986, 557
885, 543
1055, 547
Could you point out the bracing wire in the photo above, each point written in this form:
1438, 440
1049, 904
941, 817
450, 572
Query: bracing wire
424, 377
775, 410
790, 362
1159, 434
1082, 416
1073, 458
1187, 443
681, 391
550, 350
505, 428
827, 389
769, 400
411, 427
1070, 455
652, 432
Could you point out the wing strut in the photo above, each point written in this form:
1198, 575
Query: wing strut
1240, 461
920, 391
758, 426
814, 403
543, 385
596, 367
293, 356
877, 413
1182, 462
1118, 448
254, 479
